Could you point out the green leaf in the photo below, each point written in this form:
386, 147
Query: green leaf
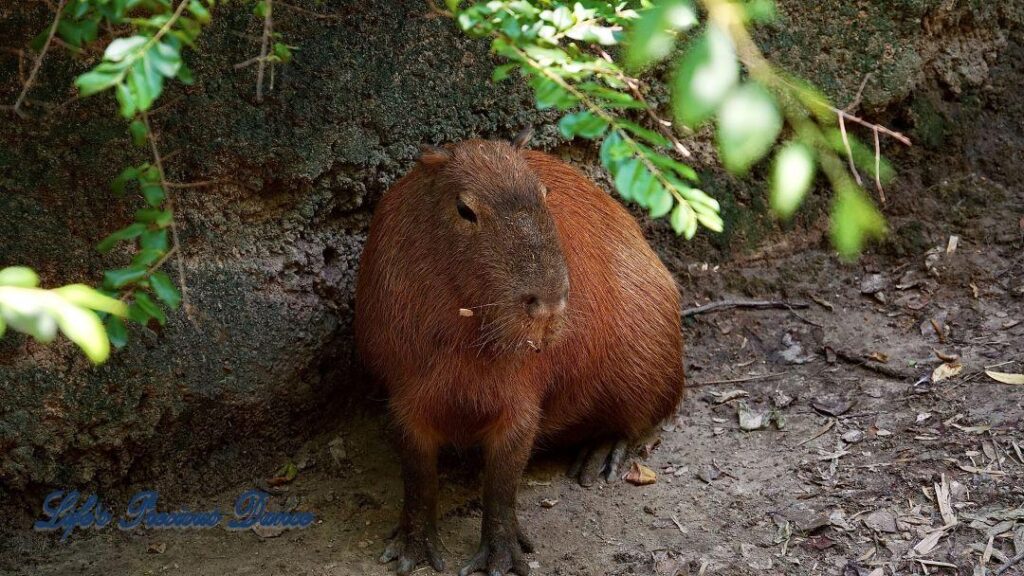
31, 318
165, 60
96, 81
283, 52
146, 258
154, 194
791, 178
660, 202
161, 218
707, 72
626, 176
154, 240
117, 332
613, 151
19, 276
550, 95
84, 328
89, 297
165, 290
502, 72
185, 75
201, 14
650, 136
116, 279
585, 124
118, 49
126, 100
683, 220
126, 233
748, 124
3, 326
651, 39
761, 11
151, 308
854, 218
122, 179
138, 130
260, 9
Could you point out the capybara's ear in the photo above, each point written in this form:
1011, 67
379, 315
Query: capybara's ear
433, 155
523, 137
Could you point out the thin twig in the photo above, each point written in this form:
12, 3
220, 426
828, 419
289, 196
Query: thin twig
1013, 562
196, 184
737, 380
664, 126
878, 167
158, 162
849, 151
756, 304
860, 93
248, 62
268, 26
860, 360
39, 62
902, 139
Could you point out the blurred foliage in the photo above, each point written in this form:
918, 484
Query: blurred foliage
719, 76
73, 309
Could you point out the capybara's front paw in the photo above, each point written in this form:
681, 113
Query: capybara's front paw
500, 554
412, 548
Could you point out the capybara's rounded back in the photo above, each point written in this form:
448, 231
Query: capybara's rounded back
496, 280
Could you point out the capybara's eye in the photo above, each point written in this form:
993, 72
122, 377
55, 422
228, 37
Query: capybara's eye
465, 211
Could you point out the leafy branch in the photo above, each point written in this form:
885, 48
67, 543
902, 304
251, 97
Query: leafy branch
136, 68
554, 45
281, 52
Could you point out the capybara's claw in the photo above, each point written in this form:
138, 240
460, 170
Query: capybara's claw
500, 555
410, 550
602, 459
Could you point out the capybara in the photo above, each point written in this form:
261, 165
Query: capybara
506, 301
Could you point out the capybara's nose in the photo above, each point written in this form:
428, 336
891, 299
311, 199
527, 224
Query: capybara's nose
540, 308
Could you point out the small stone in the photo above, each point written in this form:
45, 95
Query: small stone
337, 450
853, 436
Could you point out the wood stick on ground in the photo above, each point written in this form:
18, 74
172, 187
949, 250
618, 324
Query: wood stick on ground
1013, 562
861, 361
737, 380
756, 304
39, 62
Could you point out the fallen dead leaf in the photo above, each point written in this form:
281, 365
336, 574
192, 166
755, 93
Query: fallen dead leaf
946, 371
640, 475
1005, 377
952, 358
942, 496
831, 405
157, 548
750, 420
465, 312
879, 357
723, 397
284, 475
548, 502
929, 542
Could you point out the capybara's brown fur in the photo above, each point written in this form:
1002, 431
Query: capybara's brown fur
574, 332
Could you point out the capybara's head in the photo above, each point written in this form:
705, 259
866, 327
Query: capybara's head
498, 241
